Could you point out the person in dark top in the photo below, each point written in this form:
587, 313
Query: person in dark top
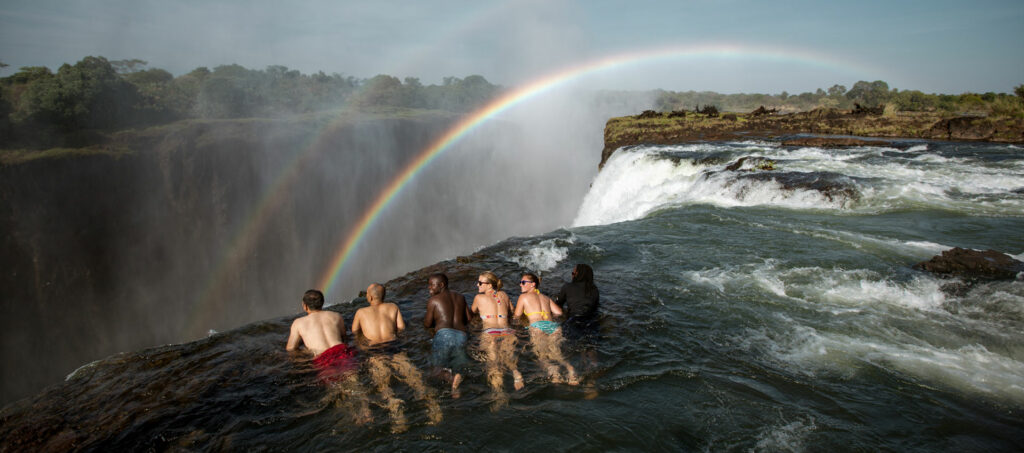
580, 300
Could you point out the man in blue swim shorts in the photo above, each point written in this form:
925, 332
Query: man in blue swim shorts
447, 314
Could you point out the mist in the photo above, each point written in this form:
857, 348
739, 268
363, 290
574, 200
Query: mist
222, 223
522, 173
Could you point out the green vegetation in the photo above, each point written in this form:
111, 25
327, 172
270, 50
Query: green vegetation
867, 94
81, 104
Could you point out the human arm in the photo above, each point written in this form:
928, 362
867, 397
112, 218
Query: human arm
559, 298
428, 318
399, 322
555, 309
356, 327
294, 338
520, 306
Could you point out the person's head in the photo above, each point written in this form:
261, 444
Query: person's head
313, 300
529, 282
583, 273
437, 283
488, 281
375, 292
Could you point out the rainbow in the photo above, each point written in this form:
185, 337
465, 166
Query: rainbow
244, 240
542, 85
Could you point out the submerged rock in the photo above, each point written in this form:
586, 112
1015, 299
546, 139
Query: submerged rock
973, 264
832, 142
832, 186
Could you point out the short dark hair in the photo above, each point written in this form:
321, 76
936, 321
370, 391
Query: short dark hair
313, 299
533, 277
440, 276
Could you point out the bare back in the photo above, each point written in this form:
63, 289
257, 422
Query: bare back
379, 323
493, 309
319, 331
536, 307
446, 310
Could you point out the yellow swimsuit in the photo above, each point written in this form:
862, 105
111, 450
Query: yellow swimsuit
543, 314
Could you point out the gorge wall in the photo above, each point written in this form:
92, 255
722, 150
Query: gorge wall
180, 229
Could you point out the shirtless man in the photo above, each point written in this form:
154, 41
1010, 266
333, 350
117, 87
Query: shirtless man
545, 333
323, 333
379, 324
448, 314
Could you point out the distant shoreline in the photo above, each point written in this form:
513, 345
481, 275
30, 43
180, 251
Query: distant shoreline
683, 127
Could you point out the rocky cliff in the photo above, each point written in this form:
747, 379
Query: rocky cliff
679, 127
122, 246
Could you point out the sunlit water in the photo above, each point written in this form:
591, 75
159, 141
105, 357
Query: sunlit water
744, 309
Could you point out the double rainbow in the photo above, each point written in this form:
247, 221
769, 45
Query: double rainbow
542, 85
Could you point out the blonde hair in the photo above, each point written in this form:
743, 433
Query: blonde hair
492, 279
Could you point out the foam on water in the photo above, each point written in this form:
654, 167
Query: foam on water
824, 289
640, 180
542, 256
633, 184
969, 368
785, 436
866, 315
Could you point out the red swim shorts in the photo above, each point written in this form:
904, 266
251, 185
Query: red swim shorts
335, 363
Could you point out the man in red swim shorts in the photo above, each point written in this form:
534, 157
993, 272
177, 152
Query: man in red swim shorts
323, 333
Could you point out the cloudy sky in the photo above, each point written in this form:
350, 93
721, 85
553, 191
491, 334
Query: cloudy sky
728, 46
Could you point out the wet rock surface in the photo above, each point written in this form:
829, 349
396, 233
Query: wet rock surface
973, 265
832, 142
832, 186
832, 128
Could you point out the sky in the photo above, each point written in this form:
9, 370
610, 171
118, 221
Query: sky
728, 46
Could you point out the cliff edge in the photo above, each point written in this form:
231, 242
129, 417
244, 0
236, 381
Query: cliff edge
652, 127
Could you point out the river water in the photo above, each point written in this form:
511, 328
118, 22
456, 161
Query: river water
765, 306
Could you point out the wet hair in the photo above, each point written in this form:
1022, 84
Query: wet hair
492, 279
439, 276
377, 290
584, 274
533, 277
313, 299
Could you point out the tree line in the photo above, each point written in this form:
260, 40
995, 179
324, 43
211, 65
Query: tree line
863, 93
79, 103
40, 108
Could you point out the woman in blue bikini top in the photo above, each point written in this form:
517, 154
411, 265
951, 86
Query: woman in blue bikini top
538, 308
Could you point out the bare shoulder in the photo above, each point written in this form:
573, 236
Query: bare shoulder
298, 322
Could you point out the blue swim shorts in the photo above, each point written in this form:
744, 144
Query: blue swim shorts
449, 349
